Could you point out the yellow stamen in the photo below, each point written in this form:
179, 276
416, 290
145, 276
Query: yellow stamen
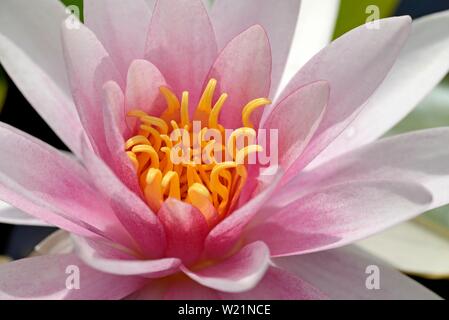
171, 180
249, 109
201, 179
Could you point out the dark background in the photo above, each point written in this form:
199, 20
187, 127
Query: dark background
17, 242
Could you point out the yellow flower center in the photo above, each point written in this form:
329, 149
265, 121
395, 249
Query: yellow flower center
197, 161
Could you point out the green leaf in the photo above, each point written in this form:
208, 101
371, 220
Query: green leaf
354, 13
78, 3
3, 88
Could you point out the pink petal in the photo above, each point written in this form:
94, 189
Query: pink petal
18, 280
142, 88
337, 215
34, 61
187, 289
114, 125
354, 65
227, 233
243, 71
418, 158
423, 62
296, 118
278, 284
110, 260
240, 272
11, 215
185, 230
89, 67
53, 187
121, 27
343, 274
141, 223
181, 43
406, 175
278, 18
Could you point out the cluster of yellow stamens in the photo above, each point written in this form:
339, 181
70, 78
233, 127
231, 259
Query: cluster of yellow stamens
202, 178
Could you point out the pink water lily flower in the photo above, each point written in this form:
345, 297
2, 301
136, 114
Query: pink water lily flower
138, 226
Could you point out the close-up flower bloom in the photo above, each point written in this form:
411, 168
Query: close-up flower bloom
134, 224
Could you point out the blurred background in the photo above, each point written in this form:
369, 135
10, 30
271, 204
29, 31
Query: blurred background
419, 248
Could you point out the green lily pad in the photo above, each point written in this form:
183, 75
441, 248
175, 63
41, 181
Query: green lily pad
354, 13
78, 3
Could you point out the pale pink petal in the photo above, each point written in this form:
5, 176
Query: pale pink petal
181, 43
423, 62
108, 259
188, 289
185, 230
47, 277
419, 157
314, 31
278, 18
227, 233
243, 71
115, 127
354, 65
278, 284
344, 274
411, 170
337, 215
53, 187
89, 67
11, 215
142, 88
240, 272
134, 214
296, 118
34, 61
121, 26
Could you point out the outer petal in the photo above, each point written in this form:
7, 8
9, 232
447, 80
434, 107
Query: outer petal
141, 223
119, 263
142, 88
11, 215
121, 27
363, 51
420, 157
412, 247
422, 64
278, 18
34, 61
278, 284
181, 43
18, 280
243, 71
296, 118
185, 229
338, 215
344, 274
240, 272
313, 32
226, 234
53, 187
89, 68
